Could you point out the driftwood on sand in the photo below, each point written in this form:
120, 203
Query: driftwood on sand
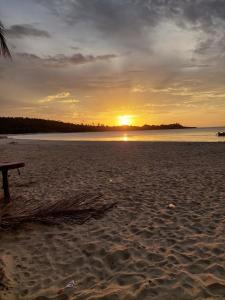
77, 209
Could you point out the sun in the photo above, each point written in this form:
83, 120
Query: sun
125, 120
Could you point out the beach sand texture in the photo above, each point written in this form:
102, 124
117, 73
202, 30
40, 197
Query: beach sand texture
142, 248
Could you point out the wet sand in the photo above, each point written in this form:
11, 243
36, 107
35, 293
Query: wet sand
144, 248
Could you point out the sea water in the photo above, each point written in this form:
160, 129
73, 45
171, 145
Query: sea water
169, 135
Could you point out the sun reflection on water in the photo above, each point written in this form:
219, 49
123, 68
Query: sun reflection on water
125, 137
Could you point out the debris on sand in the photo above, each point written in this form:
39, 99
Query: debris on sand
77, 209
172, 206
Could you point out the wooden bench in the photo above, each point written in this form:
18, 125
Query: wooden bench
4, 168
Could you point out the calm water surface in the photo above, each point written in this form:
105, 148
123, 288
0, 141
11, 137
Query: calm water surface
172, 135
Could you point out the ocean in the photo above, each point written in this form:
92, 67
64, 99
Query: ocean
171, 135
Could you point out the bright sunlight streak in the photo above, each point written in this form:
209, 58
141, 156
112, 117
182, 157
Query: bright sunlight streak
125, 120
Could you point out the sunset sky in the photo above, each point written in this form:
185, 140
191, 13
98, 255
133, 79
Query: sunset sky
97, 60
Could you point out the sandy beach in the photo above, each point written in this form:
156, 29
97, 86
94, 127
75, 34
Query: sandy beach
165, 238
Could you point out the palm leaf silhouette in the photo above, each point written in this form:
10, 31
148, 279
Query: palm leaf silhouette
4, 50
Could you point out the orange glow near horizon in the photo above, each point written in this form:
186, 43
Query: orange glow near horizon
125, 120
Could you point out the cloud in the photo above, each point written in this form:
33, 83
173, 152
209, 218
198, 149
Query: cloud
77, 59
131, 22
24, 30
165, 53
63, 97
61, 60
111, 14
191, 92
138, 89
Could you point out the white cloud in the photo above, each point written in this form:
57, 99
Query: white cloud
63, 97
139, 89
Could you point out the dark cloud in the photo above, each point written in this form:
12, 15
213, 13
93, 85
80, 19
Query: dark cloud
130, 22
23, 30
204, 12
61, 60
79, 58
111, 14
120, 22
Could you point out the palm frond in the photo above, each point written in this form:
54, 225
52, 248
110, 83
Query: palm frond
4, 50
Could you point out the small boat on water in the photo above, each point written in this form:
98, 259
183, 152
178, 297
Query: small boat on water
221, 133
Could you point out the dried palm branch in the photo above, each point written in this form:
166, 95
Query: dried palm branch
78, 209
4, 50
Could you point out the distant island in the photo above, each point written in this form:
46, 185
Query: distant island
10, 125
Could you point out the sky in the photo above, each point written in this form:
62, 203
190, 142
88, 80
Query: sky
93, 61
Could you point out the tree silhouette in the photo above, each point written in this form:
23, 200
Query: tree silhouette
4, 50
31, 125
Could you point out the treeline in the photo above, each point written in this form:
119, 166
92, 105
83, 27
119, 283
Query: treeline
10, 125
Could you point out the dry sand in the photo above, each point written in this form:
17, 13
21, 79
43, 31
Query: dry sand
142, 249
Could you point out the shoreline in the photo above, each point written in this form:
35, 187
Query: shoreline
61, 142
187, 135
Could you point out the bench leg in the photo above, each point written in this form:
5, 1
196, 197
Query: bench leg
5, 186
